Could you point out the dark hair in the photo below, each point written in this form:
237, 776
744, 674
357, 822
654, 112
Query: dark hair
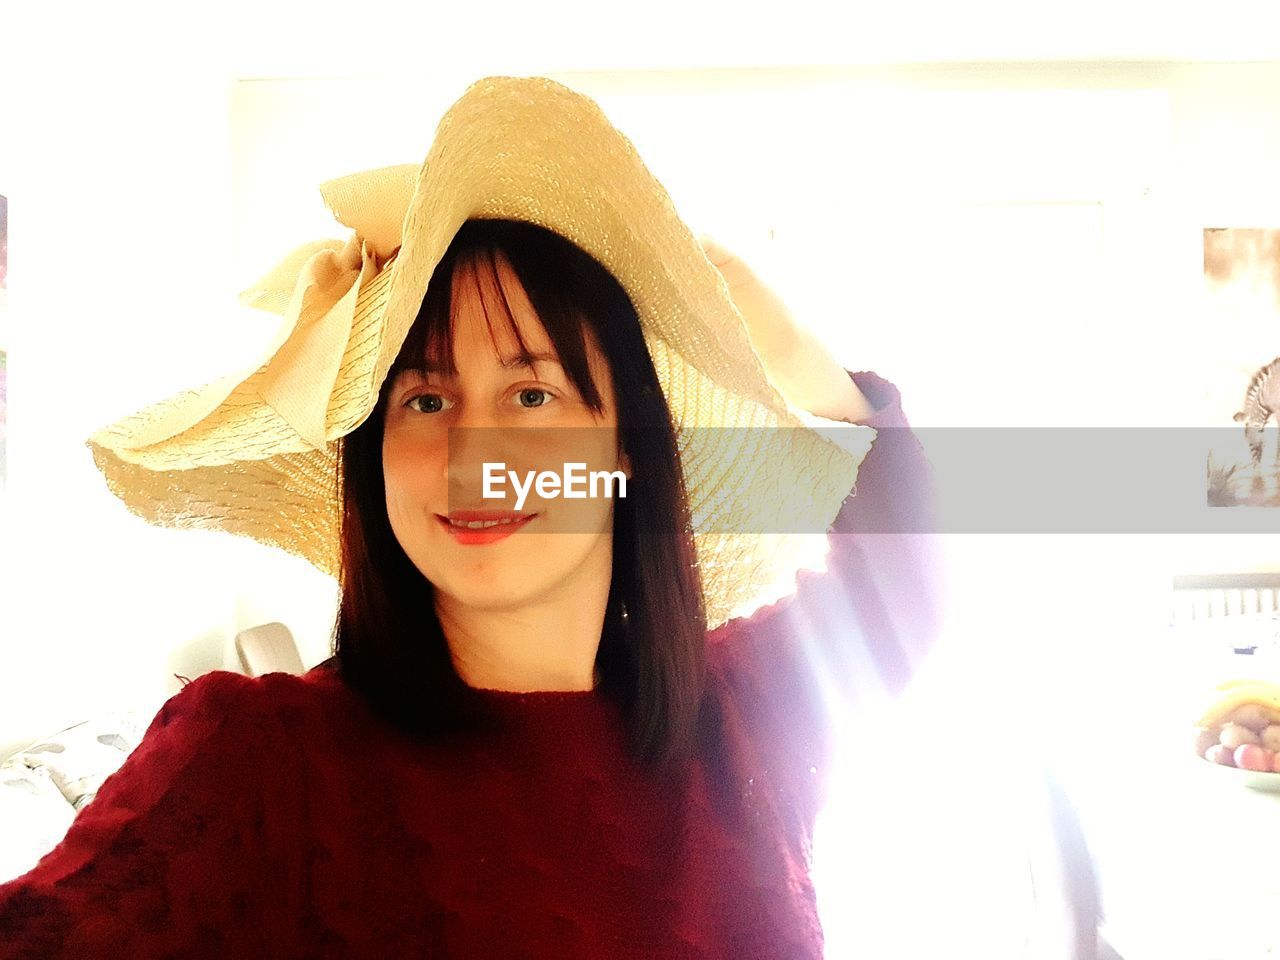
388, 641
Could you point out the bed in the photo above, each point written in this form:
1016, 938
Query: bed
44, 785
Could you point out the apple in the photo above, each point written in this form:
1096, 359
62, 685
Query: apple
1250, 756
1271, 737
1235, 735
1220, 754
1206, 737
1252, 715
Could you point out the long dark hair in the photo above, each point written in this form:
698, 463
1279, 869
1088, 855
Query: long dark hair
388, 641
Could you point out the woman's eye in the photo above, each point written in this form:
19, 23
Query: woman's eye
435, 399
534, 392
529, 398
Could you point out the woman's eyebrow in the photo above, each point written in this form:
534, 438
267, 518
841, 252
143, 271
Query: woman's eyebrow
526, 359
522, 359
519, 360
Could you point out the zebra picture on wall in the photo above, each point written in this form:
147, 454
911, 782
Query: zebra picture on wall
1261, 402
1250, 483
1242, 286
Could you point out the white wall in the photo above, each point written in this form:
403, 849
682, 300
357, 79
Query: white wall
1012, 227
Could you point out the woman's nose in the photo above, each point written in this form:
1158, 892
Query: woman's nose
473, 440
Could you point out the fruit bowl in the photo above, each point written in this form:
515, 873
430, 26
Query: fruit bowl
1254, 779
1239, 733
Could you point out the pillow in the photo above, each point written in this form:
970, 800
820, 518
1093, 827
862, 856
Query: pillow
80, 757
44, 786
35, 815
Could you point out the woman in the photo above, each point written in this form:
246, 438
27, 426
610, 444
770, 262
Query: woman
531, 742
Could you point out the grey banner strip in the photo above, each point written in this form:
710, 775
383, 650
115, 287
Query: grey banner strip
1004, 480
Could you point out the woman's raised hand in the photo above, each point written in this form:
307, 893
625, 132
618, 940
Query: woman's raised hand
798, 364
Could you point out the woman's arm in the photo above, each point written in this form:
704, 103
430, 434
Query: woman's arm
857, 632
879, 602
165, 860
851, 637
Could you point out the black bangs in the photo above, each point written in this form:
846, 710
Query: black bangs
561, 291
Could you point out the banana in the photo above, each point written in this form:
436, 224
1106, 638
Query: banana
1240, 693
1247, 681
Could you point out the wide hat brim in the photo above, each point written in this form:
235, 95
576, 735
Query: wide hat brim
254, 453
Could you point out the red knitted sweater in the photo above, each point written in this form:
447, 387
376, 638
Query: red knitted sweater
275, 817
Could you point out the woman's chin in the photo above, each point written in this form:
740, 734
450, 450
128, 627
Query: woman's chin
490, 591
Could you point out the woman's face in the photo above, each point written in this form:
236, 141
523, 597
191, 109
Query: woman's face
432, 470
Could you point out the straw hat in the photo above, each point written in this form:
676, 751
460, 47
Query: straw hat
254, 454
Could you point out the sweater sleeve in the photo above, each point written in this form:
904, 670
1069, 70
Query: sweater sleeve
162, 862
852, 635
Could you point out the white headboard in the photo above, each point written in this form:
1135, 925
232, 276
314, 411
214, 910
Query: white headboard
1213, 595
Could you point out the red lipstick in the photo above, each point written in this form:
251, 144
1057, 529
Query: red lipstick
480, 535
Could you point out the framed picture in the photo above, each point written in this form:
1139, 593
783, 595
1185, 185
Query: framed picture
1242, 275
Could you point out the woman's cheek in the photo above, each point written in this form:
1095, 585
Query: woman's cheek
410, 479
410, 460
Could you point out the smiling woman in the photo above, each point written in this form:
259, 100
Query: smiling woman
527, 339
543, 738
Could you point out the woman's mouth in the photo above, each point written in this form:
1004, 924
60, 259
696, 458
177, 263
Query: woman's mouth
477, 527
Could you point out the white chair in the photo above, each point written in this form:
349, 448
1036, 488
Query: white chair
268, 648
